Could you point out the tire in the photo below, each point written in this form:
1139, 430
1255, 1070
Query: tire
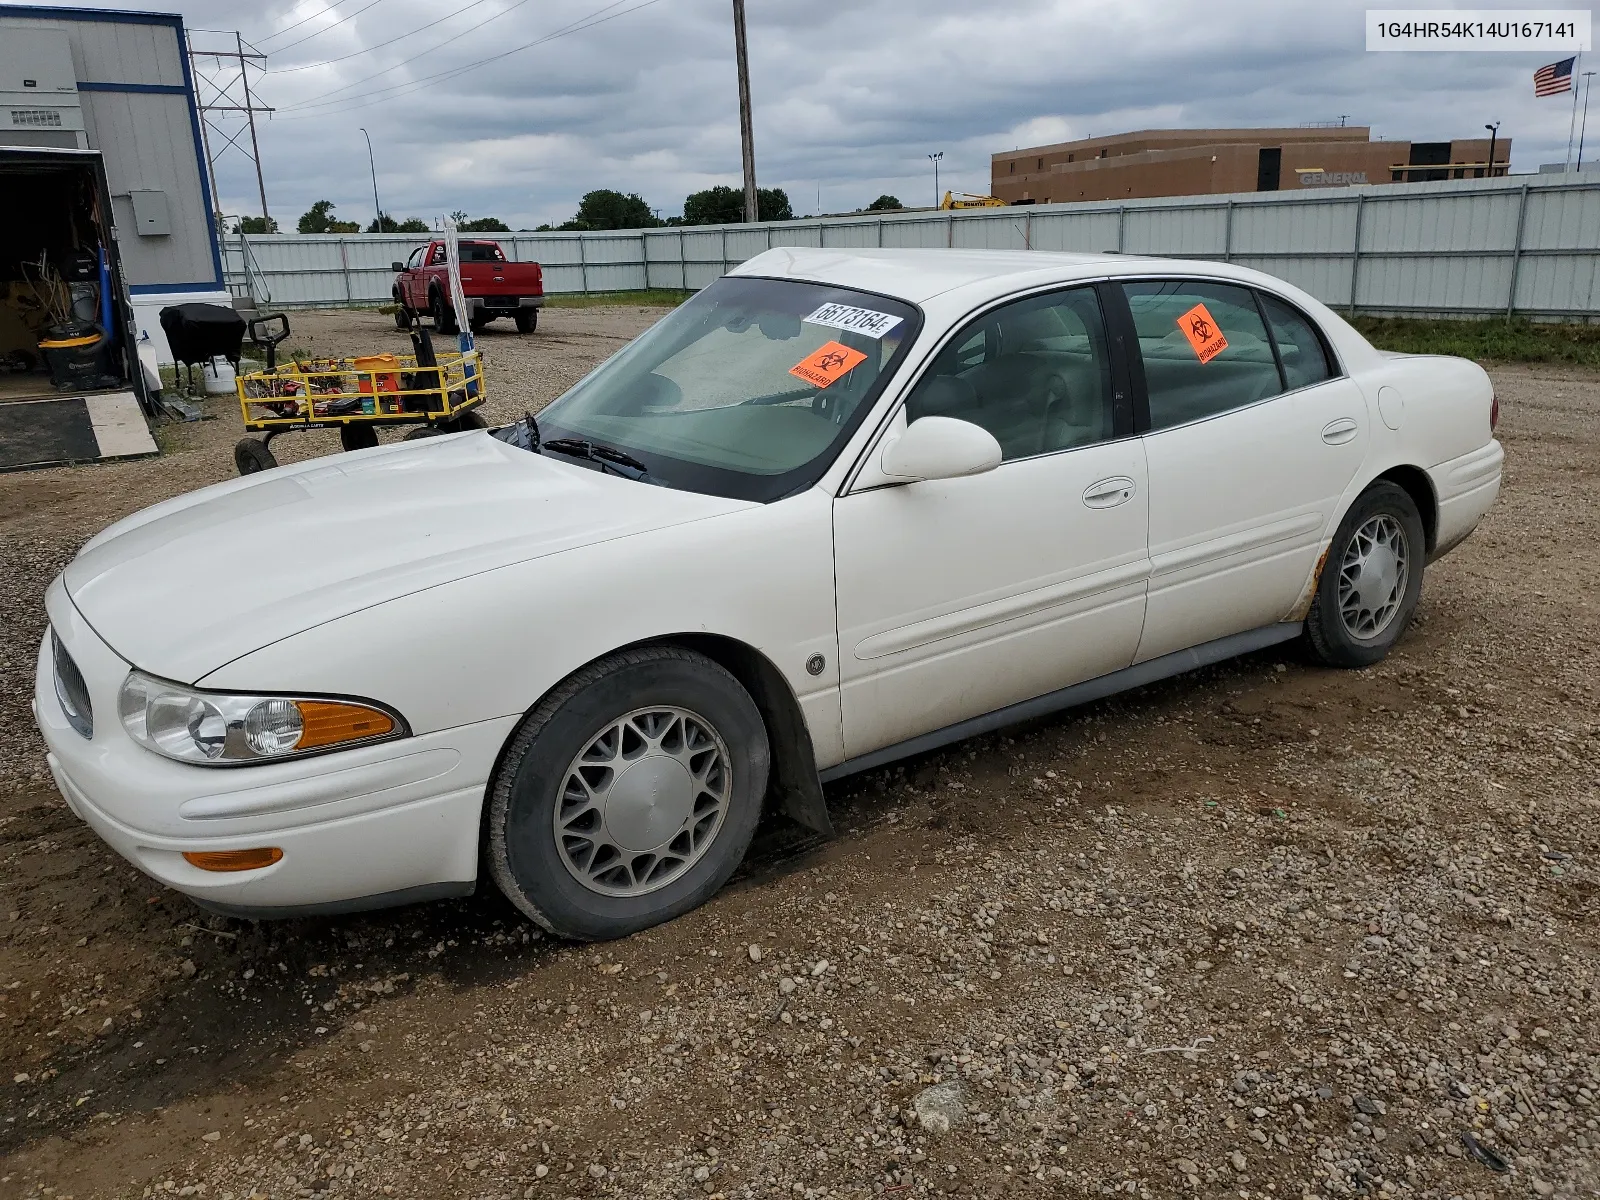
444, 317
1371, 580
402, 314
471, 419
527, 319
663, 712
423, 431
357, 437
251, 455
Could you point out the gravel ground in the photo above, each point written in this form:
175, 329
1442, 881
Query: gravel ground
1267, 930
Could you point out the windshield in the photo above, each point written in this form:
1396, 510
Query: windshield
748, 390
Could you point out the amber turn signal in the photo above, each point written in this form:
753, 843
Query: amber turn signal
329, 722
234, 860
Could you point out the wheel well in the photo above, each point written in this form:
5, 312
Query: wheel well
793, 784
1420, 488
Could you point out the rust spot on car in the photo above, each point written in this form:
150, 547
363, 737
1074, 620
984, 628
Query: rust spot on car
1303, 605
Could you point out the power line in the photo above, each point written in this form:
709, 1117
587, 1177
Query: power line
369, 49
376, 96
325, 28
316, 101
333, 4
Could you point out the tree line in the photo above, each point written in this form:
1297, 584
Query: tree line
603, 208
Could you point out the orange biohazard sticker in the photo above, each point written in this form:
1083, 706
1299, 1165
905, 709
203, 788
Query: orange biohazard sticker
826, 364
1201, 328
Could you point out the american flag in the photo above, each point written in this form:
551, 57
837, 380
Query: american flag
1557, 77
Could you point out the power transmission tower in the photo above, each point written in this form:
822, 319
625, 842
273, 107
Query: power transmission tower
222, 91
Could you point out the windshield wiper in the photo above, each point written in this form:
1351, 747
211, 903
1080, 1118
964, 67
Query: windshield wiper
601, 455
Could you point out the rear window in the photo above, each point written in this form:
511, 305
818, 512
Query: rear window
481, 252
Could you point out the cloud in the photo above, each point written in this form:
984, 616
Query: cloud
849, 95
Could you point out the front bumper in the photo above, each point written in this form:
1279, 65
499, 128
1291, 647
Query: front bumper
359, 828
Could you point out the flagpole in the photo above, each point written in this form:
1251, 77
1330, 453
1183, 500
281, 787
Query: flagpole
1572, 127
1583, 126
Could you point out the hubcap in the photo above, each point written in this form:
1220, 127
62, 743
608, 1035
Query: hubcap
1373, 577
643, 801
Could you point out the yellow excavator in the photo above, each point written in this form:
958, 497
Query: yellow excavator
968, 200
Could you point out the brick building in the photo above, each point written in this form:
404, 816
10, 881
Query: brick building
1192, 162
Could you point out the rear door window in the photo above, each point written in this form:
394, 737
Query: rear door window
1305, 358
1204, 349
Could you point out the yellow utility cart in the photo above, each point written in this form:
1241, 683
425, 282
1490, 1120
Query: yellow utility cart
438, 393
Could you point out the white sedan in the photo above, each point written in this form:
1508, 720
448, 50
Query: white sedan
841, 507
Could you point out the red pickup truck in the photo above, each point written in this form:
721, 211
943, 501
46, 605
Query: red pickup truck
495, 287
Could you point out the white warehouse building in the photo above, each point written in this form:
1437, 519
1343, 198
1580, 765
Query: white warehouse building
88, 93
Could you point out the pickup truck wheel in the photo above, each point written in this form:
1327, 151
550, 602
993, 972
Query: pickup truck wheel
444, 318
628, 795
1371, 580
402, 314
527, 320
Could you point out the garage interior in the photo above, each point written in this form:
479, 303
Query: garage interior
69, 385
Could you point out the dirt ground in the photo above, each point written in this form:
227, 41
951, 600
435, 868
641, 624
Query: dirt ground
1267, 930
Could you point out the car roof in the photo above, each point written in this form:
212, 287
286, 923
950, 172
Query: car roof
920, 274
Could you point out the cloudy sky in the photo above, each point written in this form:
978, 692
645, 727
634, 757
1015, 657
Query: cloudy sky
515, 108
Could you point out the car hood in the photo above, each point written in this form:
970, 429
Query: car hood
191, 584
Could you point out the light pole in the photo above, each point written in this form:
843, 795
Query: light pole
934, 159
1494, 134
747, 140
372, 164
1588, 82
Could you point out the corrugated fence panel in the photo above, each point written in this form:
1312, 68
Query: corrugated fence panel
1287, 228
1449, 247
1090, 232
1184, 232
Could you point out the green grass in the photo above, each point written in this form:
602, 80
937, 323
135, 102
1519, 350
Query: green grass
1490, 341
652, 298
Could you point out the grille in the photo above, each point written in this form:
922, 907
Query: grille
70, 689
40, 117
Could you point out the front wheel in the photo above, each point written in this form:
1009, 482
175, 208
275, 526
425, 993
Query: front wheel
402, 314
628, 795
1371, 581
251, 455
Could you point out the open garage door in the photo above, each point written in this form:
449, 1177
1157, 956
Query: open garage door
71, 389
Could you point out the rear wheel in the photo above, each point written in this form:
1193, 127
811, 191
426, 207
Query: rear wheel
1371, 580
251, 455
628, 795
358, 437
527, 320
444, 317
424, 431
471, 419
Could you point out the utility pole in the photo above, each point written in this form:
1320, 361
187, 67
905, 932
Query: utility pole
1588, 82
747, 144
215, 96
377, 209
935, 159
1494, 133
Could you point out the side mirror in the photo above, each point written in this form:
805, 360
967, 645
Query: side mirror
940, 448
397, 266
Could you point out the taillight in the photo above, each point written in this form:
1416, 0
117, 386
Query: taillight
1494, 411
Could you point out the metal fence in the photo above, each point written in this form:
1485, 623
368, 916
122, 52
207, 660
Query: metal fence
1463, 248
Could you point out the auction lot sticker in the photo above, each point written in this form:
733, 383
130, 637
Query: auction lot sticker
1200, 327
827, 363
855, 320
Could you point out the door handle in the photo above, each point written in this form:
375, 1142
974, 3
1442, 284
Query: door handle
1337, 433
1108, 493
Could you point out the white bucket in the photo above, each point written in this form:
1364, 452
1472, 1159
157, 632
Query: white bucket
219, 377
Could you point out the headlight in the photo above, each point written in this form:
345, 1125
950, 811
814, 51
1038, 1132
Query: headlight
223, 730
